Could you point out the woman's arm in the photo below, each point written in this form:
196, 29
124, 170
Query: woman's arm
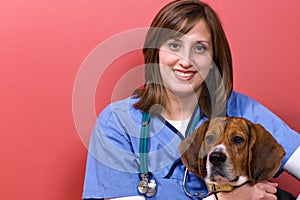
263, 190
111, 159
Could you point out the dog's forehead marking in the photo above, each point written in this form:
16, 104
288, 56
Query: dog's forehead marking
216, 126
219, 148
239, 123
220, 125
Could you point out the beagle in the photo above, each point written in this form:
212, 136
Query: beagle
227, 152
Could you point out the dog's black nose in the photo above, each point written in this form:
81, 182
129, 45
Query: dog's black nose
217, 158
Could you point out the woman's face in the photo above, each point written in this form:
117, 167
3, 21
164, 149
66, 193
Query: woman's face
185, 62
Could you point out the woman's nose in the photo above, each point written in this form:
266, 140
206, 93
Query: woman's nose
185, 58
185, 62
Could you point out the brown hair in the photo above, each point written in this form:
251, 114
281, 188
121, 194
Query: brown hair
179, 17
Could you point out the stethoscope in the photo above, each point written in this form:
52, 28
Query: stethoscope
147, 185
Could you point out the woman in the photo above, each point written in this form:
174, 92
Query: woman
188, 73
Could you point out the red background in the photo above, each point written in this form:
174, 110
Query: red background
44, 43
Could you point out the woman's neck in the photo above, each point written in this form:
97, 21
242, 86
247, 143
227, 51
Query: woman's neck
180, 107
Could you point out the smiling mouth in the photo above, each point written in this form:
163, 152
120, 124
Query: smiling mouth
184, 75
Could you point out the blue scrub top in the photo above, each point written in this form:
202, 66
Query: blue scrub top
112, 168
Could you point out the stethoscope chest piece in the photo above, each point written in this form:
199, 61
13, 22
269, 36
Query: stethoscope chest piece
143, 187
151, 188
147, 186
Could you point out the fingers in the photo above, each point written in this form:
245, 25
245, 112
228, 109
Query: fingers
269, 196
263, 190
267, 186
266, 190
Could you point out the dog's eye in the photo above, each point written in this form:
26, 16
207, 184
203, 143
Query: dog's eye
209, 139
237, 140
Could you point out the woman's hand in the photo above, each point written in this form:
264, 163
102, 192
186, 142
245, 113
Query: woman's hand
263, 190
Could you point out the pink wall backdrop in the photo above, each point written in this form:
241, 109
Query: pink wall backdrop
50, 95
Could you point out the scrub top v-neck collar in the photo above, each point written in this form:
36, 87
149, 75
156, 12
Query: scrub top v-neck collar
194, 121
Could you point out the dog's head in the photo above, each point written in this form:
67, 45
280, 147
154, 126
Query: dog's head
227, 150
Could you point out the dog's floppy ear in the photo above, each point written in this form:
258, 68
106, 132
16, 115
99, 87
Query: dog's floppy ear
190, 150
265, 153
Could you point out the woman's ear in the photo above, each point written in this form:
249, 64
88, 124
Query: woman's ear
265, 153
190, 149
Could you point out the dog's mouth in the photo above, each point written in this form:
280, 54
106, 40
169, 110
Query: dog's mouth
220, 177
217, 173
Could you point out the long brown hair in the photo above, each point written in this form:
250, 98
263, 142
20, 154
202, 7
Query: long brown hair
179, 17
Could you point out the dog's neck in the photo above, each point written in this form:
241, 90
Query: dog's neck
212, 188
219, 188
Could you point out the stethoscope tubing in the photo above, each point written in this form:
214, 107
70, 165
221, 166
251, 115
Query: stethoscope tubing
147, 185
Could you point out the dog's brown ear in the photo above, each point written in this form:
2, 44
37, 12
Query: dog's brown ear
265, 153
190, 149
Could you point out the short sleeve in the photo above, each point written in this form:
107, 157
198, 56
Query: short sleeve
112, 167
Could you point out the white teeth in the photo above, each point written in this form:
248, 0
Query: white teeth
184, 74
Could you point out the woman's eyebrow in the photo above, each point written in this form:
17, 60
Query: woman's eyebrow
199, 41
177, 39
203, 41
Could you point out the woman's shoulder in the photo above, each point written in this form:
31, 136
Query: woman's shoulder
125, 104
237, 97
121, 109
239, 104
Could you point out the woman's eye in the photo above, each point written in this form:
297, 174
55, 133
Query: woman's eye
174, 45
200, 48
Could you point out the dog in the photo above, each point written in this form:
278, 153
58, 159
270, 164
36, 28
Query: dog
227, 152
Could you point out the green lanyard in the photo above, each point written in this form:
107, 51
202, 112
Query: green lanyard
147, 185
193, 124
144, 143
